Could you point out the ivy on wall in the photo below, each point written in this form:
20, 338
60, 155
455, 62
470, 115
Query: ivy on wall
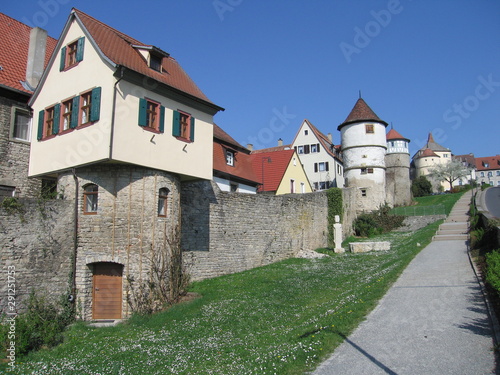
335, 207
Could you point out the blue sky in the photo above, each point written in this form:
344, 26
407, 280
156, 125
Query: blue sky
422, 65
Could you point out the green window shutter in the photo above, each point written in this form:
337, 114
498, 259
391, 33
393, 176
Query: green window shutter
191, 135
57, 117
142, 112
162, 119
63, 59
95, 104
79, 49
315, 167
74, 114
176, 125
41, 117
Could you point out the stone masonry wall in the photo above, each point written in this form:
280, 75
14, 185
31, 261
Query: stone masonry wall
224, 232
39, 246
14, 155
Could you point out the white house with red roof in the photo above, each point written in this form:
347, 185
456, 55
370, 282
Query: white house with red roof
121, 126
233, 170
319, 156
488, 170
25, 53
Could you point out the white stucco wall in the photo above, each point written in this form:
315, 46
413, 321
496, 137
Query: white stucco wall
225, 185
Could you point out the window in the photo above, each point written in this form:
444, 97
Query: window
162, 202
67, 110
183, 126
72, 54
51, 122
233, 188
155, 62
482, 174
90, 199
490, 174
363, 193
300, 150
230, 158
321, 167
21, 124
90, 106
314, 148
370, 170
363, 171
306, 132
446, 155
369, 129
151, 115
7, 191
292, 186
498, 173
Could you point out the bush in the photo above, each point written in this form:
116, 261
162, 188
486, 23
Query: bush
41, 325
421, 187
493, 269
378, 222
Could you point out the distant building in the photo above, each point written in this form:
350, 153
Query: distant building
397, 162
25, 53
233, 170
468, 161
319, 156
281, 171
430, 155
488, 170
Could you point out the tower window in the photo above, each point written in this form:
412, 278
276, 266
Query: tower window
363, 193
90, 199
162, 202
369, 129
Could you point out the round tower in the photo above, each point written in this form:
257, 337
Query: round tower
363, 150
397, 176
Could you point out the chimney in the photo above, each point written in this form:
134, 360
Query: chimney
329, 135
36, 56
280, 142
250, 146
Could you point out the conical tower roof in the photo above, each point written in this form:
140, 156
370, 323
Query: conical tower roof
432, 145
393, 134
361, 112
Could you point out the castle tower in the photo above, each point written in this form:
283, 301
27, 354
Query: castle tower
363, 148
397, 176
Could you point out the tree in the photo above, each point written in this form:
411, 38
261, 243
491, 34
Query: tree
421, 187
449, 172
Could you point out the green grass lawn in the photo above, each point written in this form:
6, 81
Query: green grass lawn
283, 318
431, 205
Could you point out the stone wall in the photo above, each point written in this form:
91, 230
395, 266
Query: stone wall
225, 232
39, 245
14, 155
126, 228
398, 184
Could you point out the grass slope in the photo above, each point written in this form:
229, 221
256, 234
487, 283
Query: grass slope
282, 318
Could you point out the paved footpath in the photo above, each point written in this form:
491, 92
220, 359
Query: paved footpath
433, 320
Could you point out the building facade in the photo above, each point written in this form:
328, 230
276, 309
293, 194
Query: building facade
397, 162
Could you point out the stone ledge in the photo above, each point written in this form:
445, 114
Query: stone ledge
363, 247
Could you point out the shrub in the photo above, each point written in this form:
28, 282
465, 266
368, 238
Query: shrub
41, 325
378, 222
421, 187
493, 269
365, 225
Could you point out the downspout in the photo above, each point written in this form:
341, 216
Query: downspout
72, 298
113, 114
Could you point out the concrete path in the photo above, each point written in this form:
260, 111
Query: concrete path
433, 320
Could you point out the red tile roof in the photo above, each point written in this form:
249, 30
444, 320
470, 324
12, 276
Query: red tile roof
14, 44
242, 168
468, 159
272, 149
118, 47
274, 165
393, 134
426, 153
488, 163
361, 112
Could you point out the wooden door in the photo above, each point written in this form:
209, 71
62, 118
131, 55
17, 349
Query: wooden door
107, 291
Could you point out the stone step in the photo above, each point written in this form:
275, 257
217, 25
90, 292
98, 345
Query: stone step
454, 225
450, 237
451, 231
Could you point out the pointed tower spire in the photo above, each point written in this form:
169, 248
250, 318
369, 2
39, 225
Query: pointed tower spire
361, 112
359, 94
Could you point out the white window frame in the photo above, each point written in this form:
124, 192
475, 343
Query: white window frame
230, 158
13, 112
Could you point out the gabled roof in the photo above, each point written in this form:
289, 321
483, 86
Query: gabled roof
361, 112
426, 153
468, 159
14, 45
393, 135
488, 163
119, 49
324, 141
242, 168
274, 163
434, 146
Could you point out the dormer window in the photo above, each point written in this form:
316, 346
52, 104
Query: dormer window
155, 62
230, 158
